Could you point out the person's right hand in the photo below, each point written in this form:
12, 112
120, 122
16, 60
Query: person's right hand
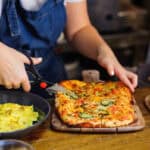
12, 69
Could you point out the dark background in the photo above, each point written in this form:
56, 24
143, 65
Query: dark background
124, 24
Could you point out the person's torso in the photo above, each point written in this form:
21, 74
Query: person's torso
35, 33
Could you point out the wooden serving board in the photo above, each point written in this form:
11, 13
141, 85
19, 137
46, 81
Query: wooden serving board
147, 101
139, 124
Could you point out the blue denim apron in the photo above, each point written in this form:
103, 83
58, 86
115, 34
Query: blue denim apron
35, 33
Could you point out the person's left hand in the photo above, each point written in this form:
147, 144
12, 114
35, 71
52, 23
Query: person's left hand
108, 60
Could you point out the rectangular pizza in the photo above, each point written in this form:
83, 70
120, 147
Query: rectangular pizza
95, 104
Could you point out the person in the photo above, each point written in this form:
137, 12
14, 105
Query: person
33, 27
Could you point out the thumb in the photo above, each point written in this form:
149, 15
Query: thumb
26, 60
37, 60
23, 57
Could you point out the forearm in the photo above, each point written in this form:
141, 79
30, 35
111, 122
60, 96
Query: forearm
89, 43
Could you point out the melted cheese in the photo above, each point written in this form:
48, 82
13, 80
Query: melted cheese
116, 98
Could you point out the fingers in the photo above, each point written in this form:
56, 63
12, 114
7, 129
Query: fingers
36, 61
108, 66
16, 85
127, 82
24, 81
26, 85
12, 71
113, 67
22, 57
129, 78
8, 85
110, 70
26, 60
133, 78
11, 83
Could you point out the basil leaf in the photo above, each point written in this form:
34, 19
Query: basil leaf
107, 102
85, 116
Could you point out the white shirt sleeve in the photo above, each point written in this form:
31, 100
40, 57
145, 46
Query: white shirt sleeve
32, 5
1, 3
73, 1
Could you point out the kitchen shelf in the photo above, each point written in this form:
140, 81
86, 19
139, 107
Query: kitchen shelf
128, 39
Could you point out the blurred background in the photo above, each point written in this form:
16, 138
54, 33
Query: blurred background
124, 24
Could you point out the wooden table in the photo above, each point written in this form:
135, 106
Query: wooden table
46, 139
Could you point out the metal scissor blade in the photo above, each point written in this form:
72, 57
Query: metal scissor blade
58, 88
52, 87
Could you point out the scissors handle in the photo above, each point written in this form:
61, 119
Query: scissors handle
38, 81
38, 85
31, 68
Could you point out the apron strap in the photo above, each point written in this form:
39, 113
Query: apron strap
12, 18
58, 1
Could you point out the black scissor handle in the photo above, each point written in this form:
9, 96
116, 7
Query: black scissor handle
38, 85
31, 69
38, 81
